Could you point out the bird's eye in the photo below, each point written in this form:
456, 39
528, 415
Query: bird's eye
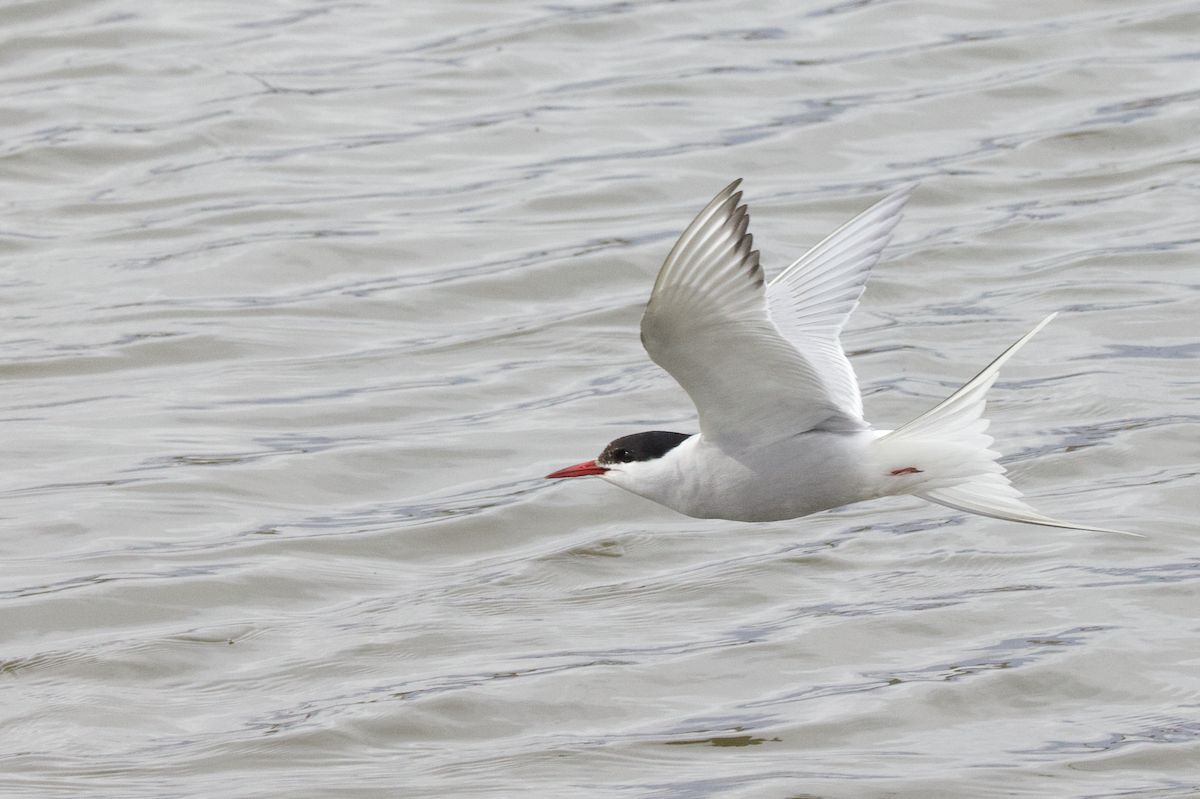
620, 455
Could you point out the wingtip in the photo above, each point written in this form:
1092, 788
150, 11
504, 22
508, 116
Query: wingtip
897, 199
1036, 329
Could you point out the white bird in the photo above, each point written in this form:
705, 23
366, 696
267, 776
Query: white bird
782, 433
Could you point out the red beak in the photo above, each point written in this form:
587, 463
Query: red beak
578, 470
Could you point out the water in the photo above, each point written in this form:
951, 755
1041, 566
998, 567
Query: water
301, 299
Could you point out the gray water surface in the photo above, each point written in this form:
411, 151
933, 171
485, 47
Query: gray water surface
301, 299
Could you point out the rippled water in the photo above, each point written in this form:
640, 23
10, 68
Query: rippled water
301, 300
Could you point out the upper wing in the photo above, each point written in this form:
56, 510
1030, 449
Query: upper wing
707, 324
811, 299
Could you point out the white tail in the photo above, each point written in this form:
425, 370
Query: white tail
967, 477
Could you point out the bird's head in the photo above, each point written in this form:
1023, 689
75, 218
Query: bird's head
625, 457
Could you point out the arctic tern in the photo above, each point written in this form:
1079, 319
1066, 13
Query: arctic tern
782, 433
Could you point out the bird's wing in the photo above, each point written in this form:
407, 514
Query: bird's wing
811, 299
707, 324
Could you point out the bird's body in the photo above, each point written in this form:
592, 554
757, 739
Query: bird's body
782, 433
700, 479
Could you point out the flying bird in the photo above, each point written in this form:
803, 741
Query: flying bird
782, 433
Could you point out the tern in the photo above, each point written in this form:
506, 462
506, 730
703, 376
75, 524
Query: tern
782, 433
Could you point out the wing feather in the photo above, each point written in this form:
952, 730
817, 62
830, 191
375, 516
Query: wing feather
708, 325
811, 299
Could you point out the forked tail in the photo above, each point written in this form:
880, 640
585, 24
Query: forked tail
965, 475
